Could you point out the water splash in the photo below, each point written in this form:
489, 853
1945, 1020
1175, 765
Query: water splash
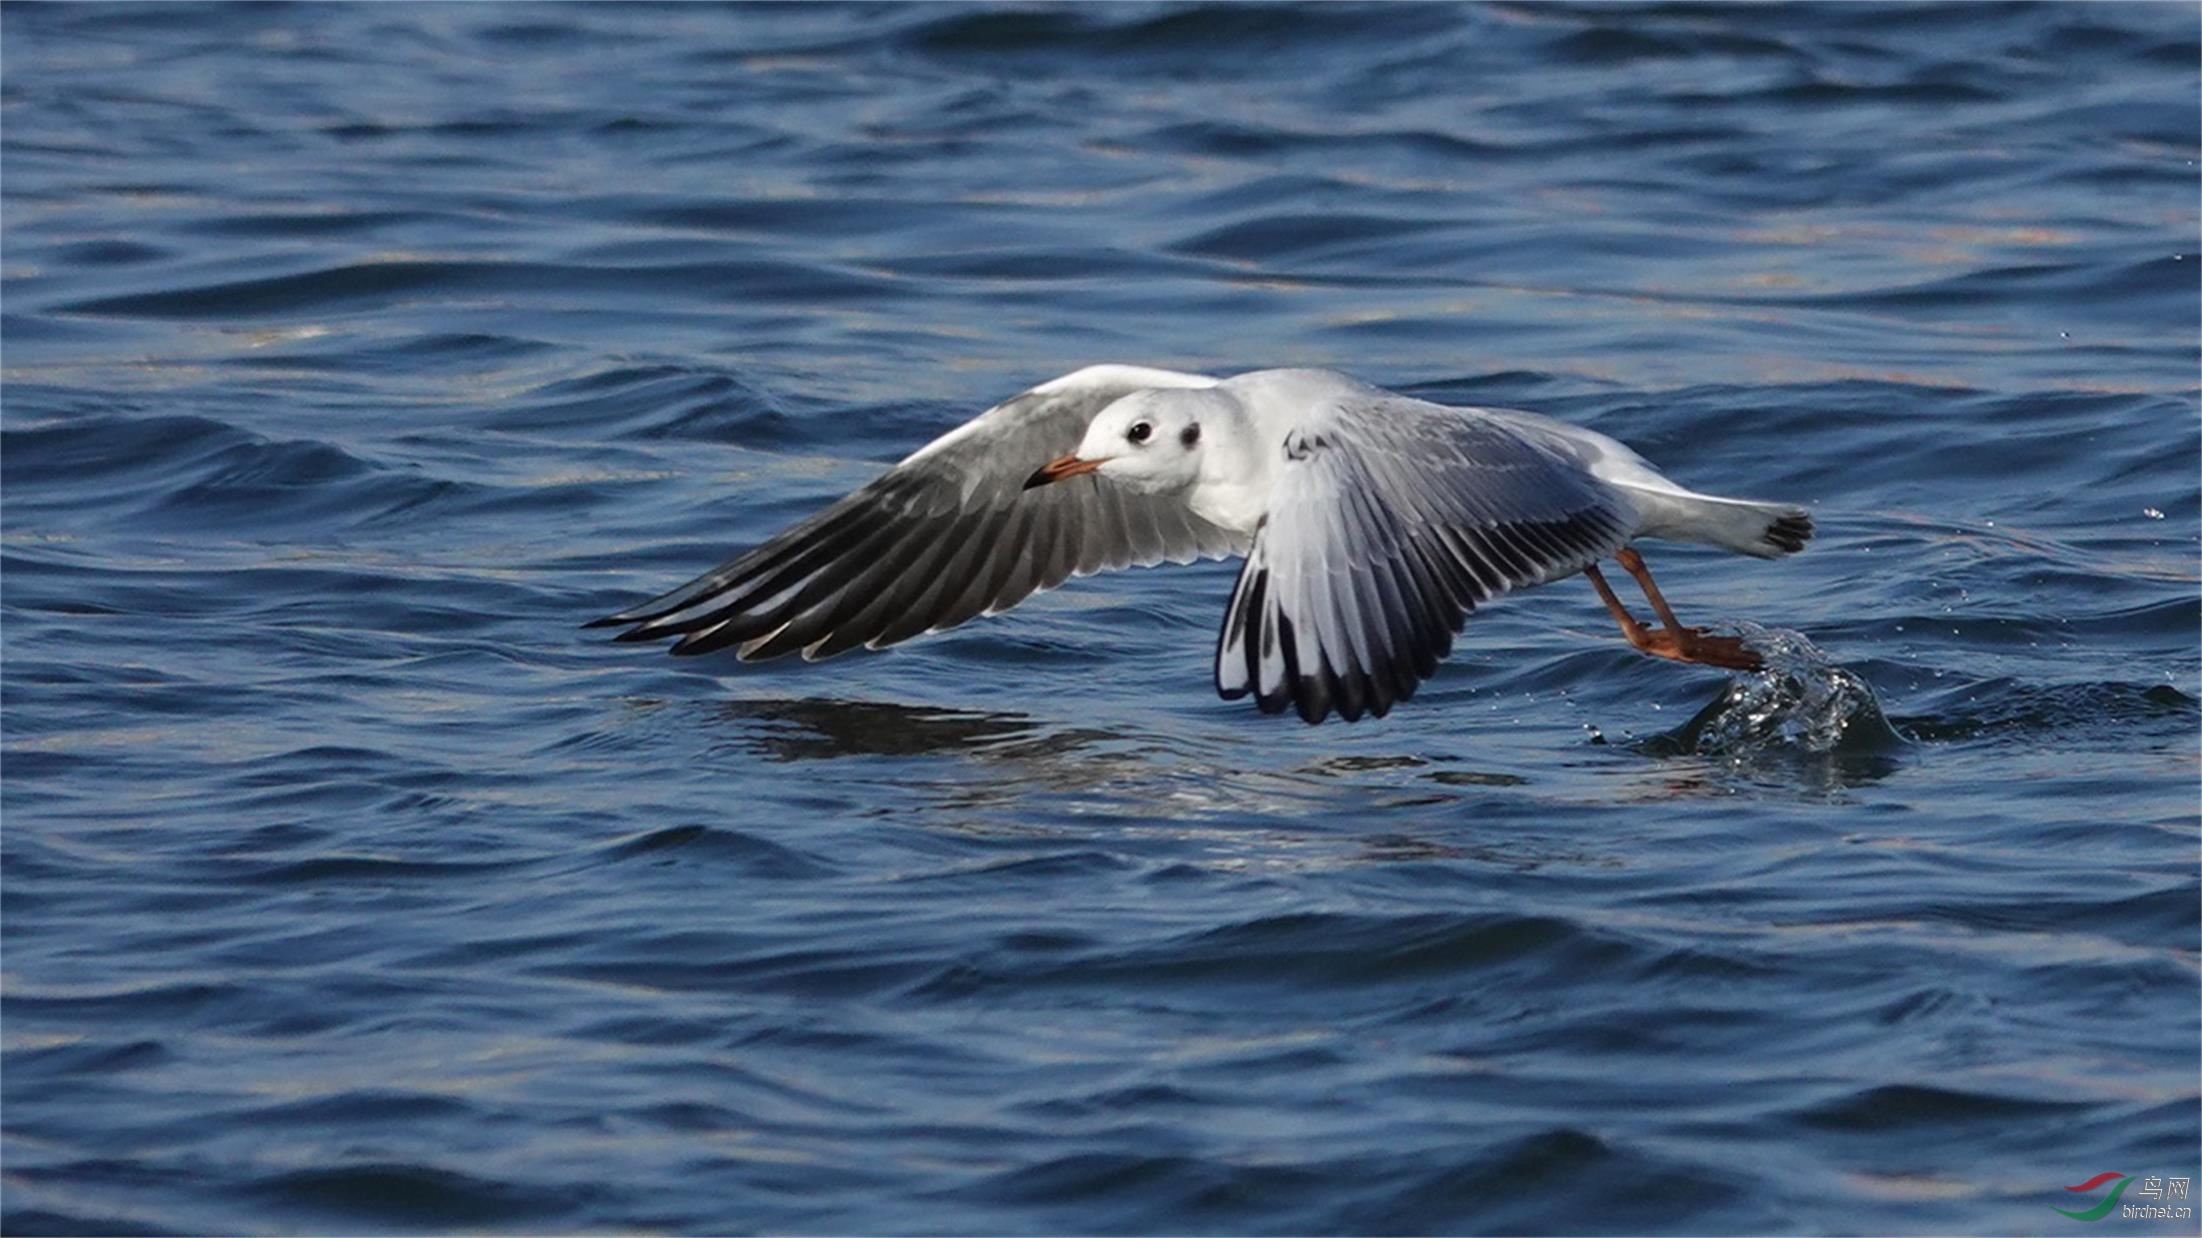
1799, 705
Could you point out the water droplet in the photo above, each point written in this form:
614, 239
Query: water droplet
1800, 704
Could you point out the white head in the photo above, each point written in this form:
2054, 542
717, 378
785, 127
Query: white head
1149, 440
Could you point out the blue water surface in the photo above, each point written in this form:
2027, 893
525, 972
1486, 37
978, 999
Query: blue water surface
354, 355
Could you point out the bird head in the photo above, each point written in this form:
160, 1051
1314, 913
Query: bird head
1149, 440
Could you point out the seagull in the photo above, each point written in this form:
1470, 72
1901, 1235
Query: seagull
1372, 525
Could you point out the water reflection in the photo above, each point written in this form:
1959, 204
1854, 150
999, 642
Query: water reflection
1021, 755
817, 729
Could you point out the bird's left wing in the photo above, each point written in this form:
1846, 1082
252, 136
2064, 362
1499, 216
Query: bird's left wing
1393, 519
946, 535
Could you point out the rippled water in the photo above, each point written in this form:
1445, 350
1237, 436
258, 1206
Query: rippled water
354, 355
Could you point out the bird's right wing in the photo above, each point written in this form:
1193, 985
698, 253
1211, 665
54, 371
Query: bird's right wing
948, 534
1392, 520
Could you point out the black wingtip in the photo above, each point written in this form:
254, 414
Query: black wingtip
1312, 699
1789, 533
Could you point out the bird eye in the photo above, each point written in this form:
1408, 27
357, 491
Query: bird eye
1139, 432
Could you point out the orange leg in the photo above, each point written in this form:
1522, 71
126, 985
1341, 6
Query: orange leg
1674, 640
1639, 635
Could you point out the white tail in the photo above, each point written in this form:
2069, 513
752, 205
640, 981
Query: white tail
1764, 530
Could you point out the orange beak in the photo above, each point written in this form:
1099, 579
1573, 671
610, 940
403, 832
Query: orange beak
1060, 468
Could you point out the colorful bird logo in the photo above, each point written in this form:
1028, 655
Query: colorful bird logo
2099, 1211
